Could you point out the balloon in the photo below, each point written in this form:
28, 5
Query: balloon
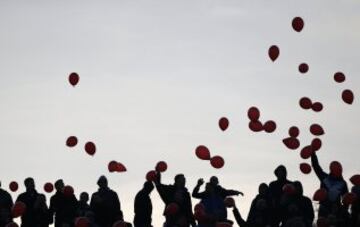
305, 103
12, 224
320, 195
223, 123
317, 106
294, 131
48, 187
349, 198
269, 126
229, 202
289, 189
71, 141
253, 113
199, 207
161, 166
171, 209
274, 52
297, 24
90, 148
151, 175
316, 130
355, 180
82, 222
120, 167
306, 152
112, 166
322, 222
303, 68
68, 191
335, 169
120, 224
339, 77
74, 79
255, 126
291, 143
348, 96
13, 186
223, 224
217, 162
316, 144
200, 215
18, 209
202, 152
305, 168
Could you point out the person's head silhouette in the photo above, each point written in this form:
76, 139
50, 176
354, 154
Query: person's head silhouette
29, 184
148, 187
280, 172
214, 181
263, 189
298, 187
84, 197
180, 181
102, 182
59, 185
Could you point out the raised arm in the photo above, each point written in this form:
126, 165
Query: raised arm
239, 220
317, 168
196, 194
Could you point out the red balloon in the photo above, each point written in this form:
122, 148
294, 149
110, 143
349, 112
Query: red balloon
305, 168
316, 130
202, 152
336, 169
223, 224
18, 209
74, 79
291, 143
349, 198
223, 123
339, 77
269, 126
255, 126
171, 209
320, 195
294, 131
151, 175
112, 166
253, 113
274, 52
348, 96
71, 141
161, 166
120, 167
120, 224
306, 152
217, 162
82, 222
322, 222
316, 144
13, 186
12, 224
355, 180
289, 189
48, 187
317, 106
68, 191
229, 202
297, 24
303, 68
200, 215
305, 103
199, 207
90, 148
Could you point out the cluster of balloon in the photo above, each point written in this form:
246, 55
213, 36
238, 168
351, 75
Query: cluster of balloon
292, 142
306, 104
71, 141
355, 180
115, 166
229, 202
161, 166
18, 209
316, 130
171, 209
74, 79
305, 168
90, 148
349, 198
13, 186
82, 222
274, 52
320, 195
48, 187
223, 123
255, 124
202, 152
347, 95
217, 162
68, 191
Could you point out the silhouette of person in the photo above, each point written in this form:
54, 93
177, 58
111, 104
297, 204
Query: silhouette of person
6, 204
105, 204
84, 207
42, 213
276, 192
176, 193
355, 208
143, 206
28, 198
222, 191
334, 184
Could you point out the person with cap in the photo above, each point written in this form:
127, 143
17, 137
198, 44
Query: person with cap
6, 203
143, 206
105, 204
28, 198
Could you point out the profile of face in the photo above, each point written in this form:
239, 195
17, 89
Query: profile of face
214, 180
84, 197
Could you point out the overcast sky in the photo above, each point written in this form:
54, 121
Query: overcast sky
155, 77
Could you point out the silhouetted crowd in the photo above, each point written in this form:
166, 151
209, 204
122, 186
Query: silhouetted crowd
280, 203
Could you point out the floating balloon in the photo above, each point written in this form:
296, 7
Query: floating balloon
200, 215
202, 152
289, 189
305, 103
48, 187
217, 162
297, 24
336, 169
316, 130
161, 166
68, 191
71, 141
355, 180
13, 186
112, 166
320, 195
229, 202
18, 209
305, 168
90, 148
253, 113
255, 126
339, 77
303, 68
82, 222
349, 198
223, 123
316, 144
274, 52
171, 209
120, 167
306, 152
294, 131
74, 79
317, 106
291, 143
151, 176
199, 207
269, 126
120, 224
348, 96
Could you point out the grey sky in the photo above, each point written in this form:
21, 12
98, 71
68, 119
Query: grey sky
155, 77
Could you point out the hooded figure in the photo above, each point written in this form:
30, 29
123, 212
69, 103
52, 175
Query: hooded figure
143, 206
